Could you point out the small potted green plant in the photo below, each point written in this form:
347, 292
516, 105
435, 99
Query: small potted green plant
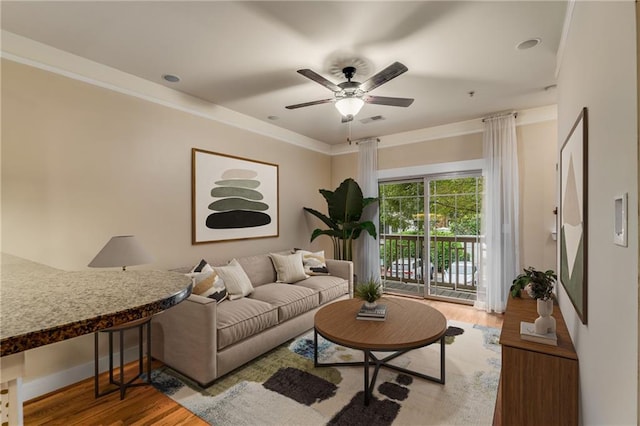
537, 284
369, 291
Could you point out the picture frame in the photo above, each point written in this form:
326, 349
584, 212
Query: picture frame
232, 198
573, 214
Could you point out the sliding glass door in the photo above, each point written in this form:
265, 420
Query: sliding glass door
402, 244
433, 254
454, 230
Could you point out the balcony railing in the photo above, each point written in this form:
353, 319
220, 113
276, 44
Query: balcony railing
452, 261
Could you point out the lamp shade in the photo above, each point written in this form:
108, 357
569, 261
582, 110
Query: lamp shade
122, 250
349, 106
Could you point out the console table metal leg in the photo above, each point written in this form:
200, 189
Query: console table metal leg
141, 325
122, 386
111, 380
96, 367
149, 352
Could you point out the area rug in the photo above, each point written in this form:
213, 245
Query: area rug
283, 388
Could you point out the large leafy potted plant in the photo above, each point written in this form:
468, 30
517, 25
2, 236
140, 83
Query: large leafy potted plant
345, 207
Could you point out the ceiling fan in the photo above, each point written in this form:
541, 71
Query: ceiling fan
350, 96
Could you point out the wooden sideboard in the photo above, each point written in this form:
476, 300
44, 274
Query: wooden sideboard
538, 382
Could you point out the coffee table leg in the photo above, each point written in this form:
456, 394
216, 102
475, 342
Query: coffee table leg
367, 389
442, 345
315, 347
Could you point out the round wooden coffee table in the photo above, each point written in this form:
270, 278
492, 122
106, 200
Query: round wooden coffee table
409, 325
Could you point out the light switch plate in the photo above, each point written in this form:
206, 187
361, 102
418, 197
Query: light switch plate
620, 220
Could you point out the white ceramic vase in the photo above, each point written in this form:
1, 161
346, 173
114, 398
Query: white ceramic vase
545, 323
370, 305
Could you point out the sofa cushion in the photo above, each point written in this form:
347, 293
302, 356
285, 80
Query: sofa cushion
258, 268
289, 268
291, 300
235, 279
328, 286
239, 319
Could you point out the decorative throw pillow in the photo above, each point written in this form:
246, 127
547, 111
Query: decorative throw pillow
314, 262
208, 286
199, 266
200, 272
219, 290
235, 280
289, 268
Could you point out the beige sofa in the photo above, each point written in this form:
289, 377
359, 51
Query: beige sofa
204, 340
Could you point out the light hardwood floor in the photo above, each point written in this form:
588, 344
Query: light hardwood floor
76, 405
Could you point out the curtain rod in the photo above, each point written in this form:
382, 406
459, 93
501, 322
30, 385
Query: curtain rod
357, 141
491, 117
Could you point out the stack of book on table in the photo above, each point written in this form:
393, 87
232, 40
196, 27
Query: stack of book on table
377, 313
528, 332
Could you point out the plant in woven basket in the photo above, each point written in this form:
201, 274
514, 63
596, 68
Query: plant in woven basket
537, 284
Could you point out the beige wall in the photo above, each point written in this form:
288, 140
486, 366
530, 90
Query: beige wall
81, 163
456, 148
598, 71
537, 172
537, 160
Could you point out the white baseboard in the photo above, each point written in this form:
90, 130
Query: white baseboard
47, 384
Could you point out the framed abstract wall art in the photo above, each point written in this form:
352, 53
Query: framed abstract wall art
232, 198
573, 215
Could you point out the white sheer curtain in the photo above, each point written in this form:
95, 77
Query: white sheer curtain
367, 248
500, 250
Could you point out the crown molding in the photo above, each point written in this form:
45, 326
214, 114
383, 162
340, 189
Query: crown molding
39, 55
525, 117
566, 26
35, 54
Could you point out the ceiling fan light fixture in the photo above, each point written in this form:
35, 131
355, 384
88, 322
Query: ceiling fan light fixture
350, 106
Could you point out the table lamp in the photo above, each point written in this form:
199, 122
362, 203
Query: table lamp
122, 250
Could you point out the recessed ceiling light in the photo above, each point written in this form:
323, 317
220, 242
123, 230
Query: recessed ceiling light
528, 44
171, 78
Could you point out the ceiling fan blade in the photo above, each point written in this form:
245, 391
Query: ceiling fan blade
383, 100
312, 75
346, 119
306, 104
389, 73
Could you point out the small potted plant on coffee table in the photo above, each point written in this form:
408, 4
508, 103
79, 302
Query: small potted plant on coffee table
369, 291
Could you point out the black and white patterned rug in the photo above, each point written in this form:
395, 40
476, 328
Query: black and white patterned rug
282, 387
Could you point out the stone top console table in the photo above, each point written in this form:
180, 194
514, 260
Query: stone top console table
40, 305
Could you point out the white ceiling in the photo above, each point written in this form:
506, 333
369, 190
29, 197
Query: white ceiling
244, 55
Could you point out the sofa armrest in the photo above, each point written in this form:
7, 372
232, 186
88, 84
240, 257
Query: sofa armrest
185, 337
342, 269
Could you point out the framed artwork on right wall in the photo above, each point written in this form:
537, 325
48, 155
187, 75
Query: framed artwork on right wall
573, 215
